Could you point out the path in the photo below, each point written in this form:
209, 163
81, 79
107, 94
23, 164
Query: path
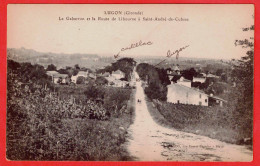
149, 141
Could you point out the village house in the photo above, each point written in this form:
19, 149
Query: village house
199, 79
80, 73
118, 74
114, 79
214, 100
60, 79
180, 94
51, 73
184, 82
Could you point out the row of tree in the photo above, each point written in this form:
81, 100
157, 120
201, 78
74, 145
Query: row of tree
157, 80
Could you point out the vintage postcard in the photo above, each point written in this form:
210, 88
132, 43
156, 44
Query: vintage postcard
139, 82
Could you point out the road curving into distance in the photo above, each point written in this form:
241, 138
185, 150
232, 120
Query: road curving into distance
149, 141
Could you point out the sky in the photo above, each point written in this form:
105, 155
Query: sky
210, 32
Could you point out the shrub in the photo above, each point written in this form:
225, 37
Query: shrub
115, 100
80, 80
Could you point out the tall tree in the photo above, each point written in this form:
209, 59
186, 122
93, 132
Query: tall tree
244, 70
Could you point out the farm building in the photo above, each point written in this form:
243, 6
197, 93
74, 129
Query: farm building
178, 93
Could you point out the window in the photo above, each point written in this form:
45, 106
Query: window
206, 100
200, 103
178, 101
200, 95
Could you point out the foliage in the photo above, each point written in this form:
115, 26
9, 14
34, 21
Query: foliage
80, 80
63, 71
77, 67
126, 65
219, 72
243, 75
156, 91
115, 100
51, 67
12, 65
157, 80
94, 92
59, 80
45, 125
29, 73
101, 81
189, 74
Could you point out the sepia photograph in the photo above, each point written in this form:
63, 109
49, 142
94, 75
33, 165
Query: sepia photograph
130, 82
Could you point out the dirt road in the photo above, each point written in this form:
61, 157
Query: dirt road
149, 141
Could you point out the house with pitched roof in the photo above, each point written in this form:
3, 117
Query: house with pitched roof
180, 94
185, 82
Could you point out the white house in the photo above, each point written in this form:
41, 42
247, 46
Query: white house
199, 79
83, 73
74, 79
180, 94
184, 82
51, 73
80, 73
118, 74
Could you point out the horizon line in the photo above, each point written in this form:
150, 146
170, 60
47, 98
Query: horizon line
128, 55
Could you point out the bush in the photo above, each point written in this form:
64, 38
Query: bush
154, 91
101, 81
116, 99
80, 80
94, 92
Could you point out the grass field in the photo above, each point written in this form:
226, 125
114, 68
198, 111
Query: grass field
215, 122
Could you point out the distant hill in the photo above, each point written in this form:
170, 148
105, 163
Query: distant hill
58, 59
